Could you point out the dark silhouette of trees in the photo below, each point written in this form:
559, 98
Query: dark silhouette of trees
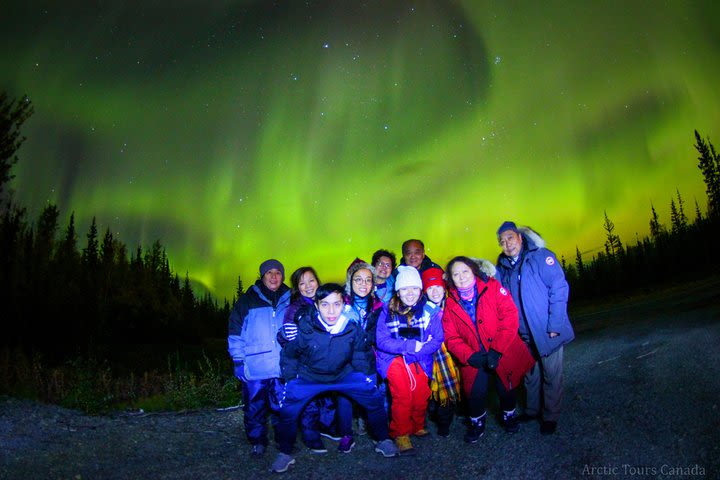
12, 116
81, 300
613, 245
656, 228
709, 165
665, 254
678, 219
62, 301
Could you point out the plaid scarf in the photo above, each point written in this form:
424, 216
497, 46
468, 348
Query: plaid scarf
415, 316
445, 384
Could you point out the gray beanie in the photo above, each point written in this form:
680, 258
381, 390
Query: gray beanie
269, 265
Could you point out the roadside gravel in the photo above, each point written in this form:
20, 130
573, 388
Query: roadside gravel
642, 401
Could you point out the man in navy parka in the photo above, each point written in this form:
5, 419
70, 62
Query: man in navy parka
536, 281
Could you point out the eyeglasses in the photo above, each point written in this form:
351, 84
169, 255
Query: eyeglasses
360, 281
384, 264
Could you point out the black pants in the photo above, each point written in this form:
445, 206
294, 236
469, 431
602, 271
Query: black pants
477, 403
442, 414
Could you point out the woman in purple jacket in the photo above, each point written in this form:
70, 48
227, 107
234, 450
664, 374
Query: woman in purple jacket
406, 341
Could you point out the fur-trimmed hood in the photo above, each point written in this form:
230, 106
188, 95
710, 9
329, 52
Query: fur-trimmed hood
356, 265
486, 266
533, 238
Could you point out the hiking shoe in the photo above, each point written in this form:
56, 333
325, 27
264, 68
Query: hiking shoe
258, 450
510, 422
421, 433
361, 426
331, 436
404, 445
475, 430
316, 446
282, 462
548, 427
387, 448
346, 444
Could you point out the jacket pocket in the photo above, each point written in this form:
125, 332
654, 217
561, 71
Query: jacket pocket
261, 361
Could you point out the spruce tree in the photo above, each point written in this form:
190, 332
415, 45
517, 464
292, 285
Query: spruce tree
709, 165
656, 229
613, 245
12, 115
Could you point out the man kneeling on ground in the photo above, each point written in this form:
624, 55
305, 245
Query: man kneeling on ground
329, 354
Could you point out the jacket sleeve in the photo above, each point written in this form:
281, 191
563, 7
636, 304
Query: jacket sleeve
385, 341
507, 318
361, 350
435, 329
290, 359
456, 344
552, 275
236, 343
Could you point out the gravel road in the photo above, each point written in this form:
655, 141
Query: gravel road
642, 395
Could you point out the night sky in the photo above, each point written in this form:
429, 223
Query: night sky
317, 131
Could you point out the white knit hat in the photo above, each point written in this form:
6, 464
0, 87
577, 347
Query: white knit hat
407, 277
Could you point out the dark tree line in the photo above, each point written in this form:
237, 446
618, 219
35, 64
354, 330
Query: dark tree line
62, 293
681, 252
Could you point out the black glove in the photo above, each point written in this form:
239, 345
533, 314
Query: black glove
477, 359
493, 357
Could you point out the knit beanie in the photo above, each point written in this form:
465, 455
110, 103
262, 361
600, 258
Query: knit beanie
432, 276
407, 277
268, 265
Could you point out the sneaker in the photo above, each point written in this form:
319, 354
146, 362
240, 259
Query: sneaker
258, 450
421, 433
548, 427
317, 446
361, 426
331, 436
475, 430
443, 431
346, 444
387, 448
510, 422
282, 462
404, 445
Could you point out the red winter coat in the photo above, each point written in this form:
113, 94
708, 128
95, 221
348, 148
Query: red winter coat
497, 328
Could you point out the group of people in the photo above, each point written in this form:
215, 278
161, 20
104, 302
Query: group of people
400, 343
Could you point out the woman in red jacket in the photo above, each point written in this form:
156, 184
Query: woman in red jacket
480, 323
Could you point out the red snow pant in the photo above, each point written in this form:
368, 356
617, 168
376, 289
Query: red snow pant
409, 393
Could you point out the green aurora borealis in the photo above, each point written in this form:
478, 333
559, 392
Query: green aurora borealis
315, 133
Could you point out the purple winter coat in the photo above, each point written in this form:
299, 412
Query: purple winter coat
390, 345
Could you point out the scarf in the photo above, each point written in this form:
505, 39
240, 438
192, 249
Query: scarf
445, 383
361, 304
339, 326
415, 316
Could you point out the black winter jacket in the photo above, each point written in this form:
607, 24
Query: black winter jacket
316, 355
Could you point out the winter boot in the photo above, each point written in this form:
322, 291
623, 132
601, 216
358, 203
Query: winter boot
476, 429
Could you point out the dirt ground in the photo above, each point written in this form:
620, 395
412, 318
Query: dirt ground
642, 389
